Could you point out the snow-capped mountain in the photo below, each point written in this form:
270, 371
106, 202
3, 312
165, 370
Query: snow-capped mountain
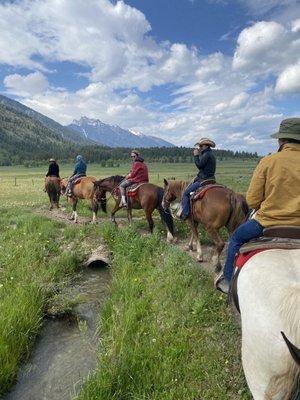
113, 135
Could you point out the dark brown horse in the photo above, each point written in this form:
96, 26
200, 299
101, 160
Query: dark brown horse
219, 207
52, 187
83, 189
147, 197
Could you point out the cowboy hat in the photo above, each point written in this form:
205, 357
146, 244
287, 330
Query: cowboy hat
52, 160
289, 129
206, 141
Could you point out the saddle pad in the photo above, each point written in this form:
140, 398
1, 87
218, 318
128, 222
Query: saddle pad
131, 191
242, 258
266, 243
200, 194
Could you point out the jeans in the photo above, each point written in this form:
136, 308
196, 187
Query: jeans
186, 202
250, 229
123, 185
70, 184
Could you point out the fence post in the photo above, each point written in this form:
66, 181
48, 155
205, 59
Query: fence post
15, 181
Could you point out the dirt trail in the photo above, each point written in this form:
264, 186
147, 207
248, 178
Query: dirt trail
62, 215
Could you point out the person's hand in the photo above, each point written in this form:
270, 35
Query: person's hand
196, 152
127, 176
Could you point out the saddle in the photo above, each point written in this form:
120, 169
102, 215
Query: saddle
276, 237
205, 186
131, 191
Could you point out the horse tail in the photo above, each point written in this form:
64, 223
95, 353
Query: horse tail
238, 211
288, 384
53, 190
165, 215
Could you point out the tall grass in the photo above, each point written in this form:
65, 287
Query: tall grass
32, 262
166, 333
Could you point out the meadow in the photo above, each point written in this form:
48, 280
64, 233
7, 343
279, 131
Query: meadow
166, 334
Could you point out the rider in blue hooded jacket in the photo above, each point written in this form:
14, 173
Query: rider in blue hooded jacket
79, 170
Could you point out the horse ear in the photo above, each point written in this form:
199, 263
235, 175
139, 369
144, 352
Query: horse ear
295, 352
165, 182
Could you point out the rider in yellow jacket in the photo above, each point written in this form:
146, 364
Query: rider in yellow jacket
274, 193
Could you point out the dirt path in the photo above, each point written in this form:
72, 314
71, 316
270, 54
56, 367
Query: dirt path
62, 215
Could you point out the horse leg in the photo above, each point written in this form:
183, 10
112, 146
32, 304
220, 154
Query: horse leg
95, 208
195, 236
129, 214
115, 209
149, 220
74, 205
219, 245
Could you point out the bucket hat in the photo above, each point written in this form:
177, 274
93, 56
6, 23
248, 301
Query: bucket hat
289, 129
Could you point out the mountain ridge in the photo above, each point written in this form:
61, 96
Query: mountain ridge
115, 136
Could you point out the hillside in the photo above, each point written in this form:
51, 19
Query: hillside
23, 137
65, 132
26, 140
114, 136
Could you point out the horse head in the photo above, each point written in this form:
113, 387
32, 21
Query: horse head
169, 195
99, 194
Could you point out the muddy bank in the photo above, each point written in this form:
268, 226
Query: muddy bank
66, 350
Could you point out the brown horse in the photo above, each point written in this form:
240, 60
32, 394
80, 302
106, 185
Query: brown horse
219, 207
147, 197
52, 187
83, 189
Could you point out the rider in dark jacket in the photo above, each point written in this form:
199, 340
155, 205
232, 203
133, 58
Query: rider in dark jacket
79, 170
53, 169
206, 163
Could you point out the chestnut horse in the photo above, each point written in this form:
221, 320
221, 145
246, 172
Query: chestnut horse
83, 189
52, 187
147, 197
219, 207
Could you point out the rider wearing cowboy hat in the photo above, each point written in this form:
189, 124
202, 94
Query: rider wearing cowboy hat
206, 163
53, 169
274, 193
138, 174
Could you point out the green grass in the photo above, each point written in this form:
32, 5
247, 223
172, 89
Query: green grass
166, 333
33, 264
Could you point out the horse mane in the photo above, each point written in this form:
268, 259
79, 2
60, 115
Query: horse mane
178, 186
114, 179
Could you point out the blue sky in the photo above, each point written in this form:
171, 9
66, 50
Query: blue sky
178, 69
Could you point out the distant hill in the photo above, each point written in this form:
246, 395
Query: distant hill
65, 132
30, 138
114, 136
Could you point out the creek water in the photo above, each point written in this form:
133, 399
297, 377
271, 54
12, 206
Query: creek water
66, 350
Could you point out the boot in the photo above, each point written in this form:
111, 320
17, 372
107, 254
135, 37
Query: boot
123, 201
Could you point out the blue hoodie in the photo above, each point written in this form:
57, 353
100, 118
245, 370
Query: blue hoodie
80, 166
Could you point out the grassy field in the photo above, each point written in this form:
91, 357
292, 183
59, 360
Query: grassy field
166, 333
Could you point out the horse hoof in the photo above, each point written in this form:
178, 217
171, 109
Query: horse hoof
200, 259
188, 248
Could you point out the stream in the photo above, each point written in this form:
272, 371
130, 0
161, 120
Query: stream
66, 350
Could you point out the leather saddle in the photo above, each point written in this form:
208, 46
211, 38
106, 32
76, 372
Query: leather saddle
131, 190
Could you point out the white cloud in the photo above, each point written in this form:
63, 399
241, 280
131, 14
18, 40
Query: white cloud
289, 80
213, 95
26, 85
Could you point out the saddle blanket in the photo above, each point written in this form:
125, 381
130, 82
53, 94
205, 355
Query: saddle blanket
132, 189
201, 192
